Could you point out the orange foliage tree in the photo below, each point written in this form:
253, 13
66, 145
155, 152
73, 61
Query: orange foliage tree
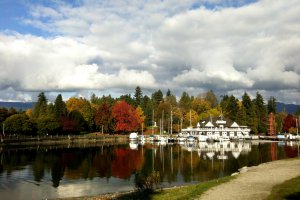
126, 117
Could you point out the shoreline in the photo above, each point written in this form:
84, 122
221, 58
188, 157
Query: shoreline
246, 184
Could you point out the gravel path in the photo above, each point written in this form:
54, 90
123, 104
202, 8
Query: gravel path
255, 182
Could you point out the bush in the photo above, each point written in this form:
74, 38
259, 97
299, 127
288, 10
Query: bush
149, 183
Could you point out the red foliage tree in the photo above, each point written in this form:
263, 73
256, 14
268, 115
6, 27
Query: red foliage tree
288, 122
125, 116
103, 117
68, 124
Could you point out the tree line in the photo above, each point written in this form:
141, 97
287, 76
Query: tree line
141, 112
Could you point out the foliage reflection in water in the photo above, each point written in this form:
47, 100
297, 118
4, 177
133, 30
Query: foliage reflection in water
56, 172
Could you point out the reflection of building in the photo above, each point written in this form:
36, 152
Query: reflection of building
217, 129
220, 148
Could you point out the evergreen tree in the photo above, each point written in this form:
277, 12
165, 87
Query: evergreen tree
211, 97
138, 95
261, 113
60, 108
185, 101
271, 105
246, 101
40, 108
242, 116
232, 108
147, 107
168, 93
157, 97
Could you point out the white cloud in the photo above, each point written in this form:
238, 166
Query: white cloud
228, 47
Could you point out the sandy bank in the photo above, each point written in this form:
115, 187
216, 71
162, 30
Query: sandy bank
255, 182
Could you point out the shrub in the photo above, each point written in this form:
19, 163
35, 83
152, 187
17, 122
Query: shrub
149, 183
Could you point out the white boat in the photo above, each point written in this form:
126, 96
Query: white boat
202, 138
190, 138
133, 136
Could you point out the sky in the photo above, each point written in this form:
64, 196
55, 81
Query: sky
80, 47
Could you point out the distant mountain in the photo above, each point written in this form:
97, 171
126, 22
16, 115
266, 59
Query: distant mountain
17, 105
289, 108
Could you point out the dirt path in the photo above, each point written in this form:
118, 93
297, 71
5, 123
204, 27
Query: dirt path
257, 182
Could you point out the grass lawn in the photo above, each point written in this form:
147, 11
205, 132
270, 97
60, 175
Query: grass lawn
185, 192
289, 190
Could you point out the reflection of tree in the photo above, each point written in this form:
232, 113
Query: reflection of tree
57, 172
126, 162
38, 167
102, 163
291, 152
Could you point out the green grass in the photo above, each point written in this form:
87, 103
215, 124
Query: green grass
185, 192
289, 190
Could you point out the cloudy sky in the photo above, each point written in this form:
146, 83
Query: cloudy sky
82, 47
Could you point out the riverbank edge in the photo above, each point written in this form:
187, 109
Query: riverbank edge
118, 195
65, 140
92, 138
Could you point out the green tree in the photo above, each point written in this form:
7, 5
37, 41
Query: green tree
18, 124
157, 97
148, 107
60, 108
171, 98
211, 98
185, 101
271, 106
48, 125
138, 96
40, 108
261, 113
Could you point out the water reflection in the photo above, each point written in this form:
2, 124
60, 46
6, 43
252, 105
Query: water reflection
52, 172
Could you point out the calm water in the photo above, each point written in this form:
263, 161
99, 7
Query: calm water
57, 172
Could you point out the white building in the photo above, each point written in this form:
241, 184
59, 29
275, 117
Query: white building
217, 130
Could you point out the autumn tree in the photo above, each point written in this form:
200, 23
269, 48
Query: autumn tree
288, 122
103, 117
125, 117
200, 105
84, 107
163, 112
141, 116
190, 119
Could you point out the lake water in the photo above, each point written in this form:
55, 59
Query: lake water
45, 172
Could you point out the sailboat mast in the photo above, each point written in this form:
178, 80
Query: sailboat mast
162, 122
171, 122
190, 118
152, 121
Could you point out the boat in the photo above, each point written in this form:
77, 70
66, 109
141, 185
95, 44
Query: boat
133, 136
190, 138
